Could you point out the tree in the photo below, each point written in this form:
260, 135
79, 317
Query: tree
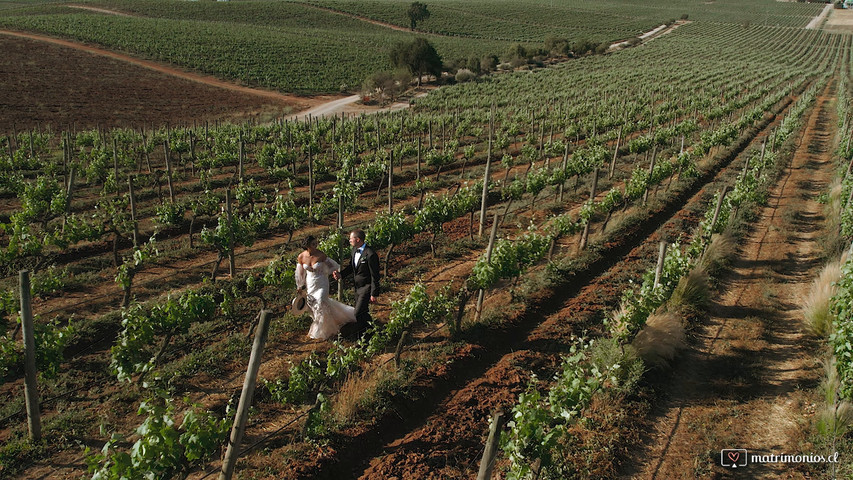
386, 86
416, 13
418, 56
557, 45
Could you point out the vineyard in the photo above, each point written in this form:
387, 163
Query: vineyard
553, 244
297, 47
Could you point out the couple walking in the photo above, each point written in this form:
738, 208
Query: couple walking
312, 276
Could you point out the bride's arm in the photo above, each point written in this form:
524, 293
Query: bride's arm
300, 275
333, 265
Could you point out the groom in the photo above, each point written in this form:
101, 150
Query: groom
365, 267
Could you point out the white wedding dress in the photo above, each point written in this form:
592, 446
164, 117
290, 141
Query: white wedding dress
329, 315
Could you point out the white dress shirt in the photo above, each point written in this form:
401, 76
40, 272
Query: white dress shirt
357, 255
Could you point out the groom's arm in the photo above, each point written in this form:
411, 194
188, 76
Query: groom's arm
346, 270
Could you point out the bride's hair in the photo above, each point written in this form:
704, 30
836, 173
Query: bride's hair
308, 241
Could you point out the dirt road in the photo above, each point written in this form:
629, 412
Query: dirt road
745, 382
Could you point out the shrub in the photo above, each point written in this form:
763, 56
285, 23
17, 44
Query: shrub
465, 75
386, 86
516, 52
557, 45
489, 63
583, 46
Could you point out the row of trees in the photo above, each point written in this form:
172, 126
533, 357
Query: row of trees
413, 60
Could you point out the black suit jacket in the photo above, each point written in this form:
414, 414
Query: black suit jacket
366, 272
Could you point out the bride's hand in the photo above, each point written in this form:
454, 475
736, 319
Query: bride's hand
336, 275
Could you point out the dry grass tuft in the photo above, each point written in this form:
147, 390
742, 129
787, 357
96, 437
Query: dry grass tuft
716, 257
356, 393
832, 211
835, 418
832, 241
661, 339
816, 304
617, 320
692, 290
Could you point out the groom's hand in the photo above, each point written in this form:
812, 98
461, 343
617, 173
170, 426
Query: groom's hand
336, 275
372, 299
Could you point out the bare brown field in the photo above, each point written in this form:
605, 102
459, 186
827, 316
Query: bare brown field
48, 85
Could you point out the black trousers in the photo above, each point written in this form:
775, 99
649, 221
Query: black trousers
362, 304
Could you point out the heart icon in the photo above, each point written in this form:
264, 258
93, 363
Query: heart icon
733, 456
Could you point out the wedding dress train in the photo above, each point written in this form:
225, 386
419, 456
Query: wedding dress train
329, 315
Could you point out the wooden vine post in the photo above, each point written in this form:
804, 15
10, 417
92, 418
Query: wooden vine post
147, 153
661, 257
651, 172
492, 444
242, 154
403, 338
482, 293
232, 452
717, 211
390, 181
310, 184
30, 385
230, 218
420, 147
115, 163
484, 199
340, 225
593, 187
65, 160
133, 211
565, 166
615, 152
169, 170
68, 192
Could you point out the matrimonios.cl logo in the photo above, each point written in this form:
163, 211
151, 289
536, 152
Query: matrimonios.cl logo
733, 457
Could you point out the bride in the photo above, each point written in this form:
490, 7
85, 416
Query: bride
312, 273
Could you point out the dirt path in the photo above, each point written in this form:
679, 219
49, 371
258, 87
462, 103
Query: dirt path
745, 382
650, 35
347, 105
818, 20
102, 10
371, 21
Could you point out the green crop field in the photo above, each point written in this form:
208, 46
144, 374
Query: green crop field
295, 49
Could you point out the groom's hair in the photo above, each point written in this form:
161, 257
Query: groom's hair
359, 233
